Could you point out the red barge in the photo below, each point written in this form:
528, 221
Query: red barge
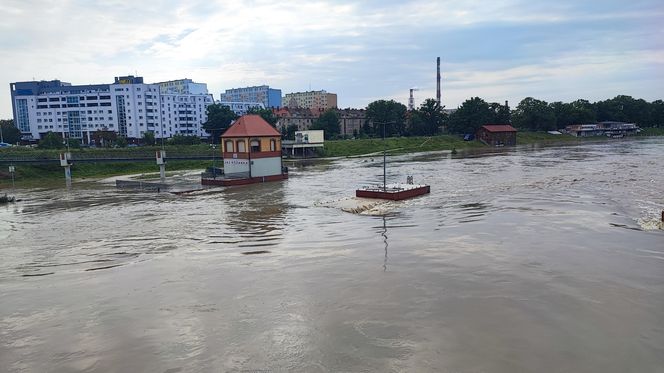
394, 192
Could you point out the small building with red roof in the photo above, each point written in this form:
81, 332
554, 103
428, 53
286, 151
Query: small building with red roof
497, 135
251, 149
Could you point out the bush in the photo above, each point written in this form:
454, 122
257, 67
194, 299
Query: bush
121, 142
51, 141
184, 140
74, 143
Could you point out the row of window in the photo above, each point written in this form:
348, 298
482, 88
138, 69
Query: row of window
71, 98
231, 145
49, 113
59, 126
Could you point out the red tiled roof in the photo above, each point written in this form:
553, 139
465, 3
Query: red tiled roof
251, 125
499, 128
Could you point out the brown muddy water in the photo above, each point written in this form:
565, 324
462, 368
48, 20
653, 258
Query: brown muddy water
520, 260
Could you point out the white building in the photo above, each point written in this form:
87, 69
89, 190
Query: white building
241, 108
182, 86
128, 107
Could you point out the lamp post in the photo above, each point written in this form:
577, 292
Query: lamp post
12, 171
214, 161
385, 154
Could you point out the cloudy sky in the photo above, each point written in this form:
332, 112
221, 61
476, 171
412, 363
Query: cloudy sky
361, 50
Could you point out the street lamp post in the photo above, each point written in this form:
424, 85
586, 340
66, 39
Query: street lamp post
214, 161
385, 154
384, 160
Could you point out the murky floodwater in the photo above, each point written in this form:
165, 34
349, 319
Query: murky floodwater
525, 260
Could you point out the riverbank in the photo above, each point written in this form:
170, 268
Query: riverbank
400, 145
36, 175
42, 174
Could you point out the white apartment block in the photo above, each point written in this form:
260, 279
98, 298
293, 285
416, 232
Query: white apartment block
241, 108
128, 107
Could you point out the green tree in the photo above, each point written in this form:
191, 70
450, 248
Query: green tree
184, 140
534, 115
121, 142
73, 143
500, 114
219, 118
416, 124
657, 113
390, 113
328, 122
563, 113
9, 133
148, 138
575, 112
428, 119
624, 109
470, 116
266, 114
583, 111
104, 138
51, 141
288, 132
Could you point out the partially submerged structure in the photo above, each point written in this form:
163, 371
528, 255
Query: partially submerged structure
607, 128
497, 135
251, 149
305, 143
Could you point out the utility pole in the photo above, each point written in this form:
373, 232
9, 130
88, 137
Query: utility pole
12, 171
385, 160
385, 154
438, 80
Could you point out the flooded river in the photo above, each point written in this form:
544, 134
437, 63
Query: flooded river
520, 260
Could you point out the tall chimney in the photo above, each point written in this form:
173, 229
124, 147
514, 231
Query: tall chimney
438, 80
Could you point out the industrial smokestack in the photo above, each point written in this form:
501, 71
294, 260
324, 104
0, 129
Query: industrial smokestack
438, 80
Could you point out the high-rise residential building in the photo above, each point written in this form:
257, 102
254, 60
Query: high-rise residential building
128, 107
183, 86
317, 100
269, 97
242, 108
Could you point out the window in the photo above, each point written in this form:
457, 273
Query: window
241, 146
229, 146
273, 145
255, 146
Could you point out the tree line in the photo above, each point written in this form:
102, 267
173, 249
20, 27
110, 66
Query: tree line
430, 118
530, 114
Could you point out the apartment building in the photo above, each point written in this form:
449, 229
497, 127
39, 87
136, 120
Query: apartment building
241, 108
269, 97
315, 100
129, 107
350, 120
183, 86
